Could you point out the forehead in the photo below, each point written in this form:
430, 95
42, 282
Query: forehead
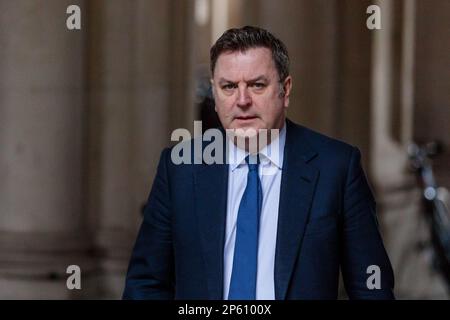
247, 64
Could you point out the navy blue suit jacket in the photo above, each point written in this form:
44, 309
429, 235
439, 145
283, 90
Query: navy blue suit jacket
327, 221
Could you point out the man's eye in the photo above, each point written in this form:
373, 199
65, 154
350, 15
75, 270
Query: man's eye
228, 86
258, 85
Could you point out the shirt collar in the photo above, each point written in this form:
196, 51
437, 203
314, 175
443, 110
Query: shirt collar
236, 156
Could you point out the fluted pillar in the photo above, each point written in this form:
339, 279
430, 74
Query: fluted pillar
42, 122
130, 80
398, 197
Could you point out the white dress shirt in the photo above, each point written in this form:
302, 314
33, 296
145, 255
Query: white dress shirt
270, 169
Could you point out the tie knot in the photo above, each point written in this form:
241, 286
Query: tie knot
252, 162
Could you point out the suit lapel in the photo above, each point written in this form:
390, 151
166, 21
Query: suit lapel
298, 183
211, 187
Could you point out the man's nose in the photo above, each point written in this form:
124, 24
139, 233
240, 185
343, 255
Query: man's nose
244, 99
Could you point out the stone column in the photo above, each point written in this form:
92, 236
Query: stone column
432, 111
185, 52
130, 80
42, 122
431, 87
392, 112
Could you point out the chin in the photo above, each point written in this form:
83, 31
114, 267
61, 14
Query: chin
248, 130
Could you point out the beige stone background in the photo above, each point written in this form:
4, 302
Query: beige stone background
84, 115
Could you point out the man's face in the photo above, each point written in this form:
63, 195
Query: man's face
247, 90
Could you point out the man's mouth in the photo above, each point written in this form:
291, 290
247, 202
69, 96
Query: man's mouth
245, 118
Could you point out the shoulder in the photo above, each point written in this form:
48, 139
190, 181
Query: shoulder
336, 159
325, 146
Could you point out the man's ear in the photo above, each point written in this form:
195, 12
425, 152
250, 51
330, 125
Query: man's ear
287, 87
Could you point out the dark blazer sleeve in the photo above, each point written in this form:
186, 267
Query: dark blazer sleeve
362, 243
151, 273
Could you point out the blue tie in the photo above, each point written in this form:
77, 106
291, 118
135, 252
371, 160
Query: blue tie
245, 260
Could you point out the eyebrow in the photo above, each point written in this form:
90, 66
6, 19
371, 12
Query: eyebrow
259, 78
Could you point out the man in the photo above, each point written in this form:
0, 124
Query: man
228, 231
